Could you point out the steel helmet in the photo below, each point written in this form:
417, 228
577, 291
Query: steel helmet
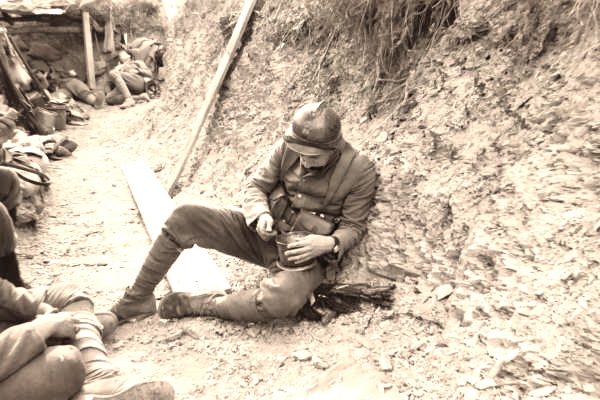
315, 130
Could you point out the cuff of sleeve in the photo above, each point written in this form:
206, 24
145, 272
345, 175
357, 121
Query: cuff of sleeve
251, 213
336, 255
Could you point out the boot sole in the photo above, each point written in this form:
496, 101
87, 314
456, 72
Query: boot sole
152, 390
138, 317
145, 311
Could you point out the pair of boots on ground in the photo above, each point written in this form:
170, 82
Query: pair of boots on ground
99, 379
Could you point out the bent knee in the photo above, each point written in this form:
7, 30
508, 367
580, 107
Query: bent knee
185, 210
61, 295
183, 214
57, 373
66, 361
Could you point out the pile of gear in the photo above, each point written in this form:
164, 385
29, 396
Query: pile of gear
28, 156
41, 94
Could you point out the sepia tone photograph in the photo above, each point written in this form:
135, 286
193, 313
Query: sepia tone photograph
299, 199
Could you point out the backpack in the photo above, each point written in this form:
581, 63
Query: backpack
30, 173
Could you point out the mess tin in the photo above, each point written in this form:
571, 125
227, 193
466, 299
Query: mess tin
283, 240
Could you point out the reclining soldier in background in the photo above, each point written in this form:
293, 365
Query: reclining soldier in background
128, 80
51, 339
313, 180
80, 90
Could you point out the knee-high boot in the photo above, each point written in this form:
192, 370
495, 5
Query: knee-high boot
138, 300
9, 269
102, 379
241, 306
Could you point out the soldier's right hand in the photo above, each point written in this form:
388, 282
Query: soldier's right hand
264, 227
58, 325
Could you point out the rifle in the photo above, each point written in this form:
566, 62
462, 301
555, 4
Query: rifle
344, 298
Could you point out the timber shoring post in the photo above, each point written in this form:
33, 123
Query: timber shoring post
211, 95
88, 49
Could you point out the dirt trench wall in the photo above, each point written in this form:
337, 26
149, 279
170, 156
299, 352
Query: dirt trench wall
493, 172
493, 183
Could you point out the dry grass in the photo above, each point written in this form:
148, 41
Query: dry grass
136, 17
587, 12
382, 33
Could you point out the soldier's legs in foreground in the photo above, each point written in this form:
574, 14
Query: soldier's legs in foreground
222, 229
102, 380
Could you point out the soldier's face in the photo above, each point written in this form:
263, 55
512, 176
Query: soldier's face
315, 162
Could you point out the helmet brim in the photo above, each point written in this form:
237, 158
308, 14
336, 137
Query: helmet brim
302, 148
307, 150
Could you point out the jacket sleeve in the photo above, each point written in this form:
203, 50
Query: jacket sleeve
18, 346
17, 302
261, 184
21, 343
356, 206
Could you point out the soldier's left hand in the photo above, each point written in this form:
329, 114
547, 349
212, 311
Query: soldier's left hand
308, 248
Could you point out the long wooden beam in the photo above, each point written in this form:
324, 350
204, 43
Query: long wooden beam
43, 29
194, 270
213, 90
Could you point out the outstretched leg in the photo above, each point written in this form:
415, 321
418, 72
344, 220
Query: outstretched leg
279, 296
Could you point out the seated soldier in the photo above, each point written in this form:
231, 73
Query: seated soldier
128, 80
10, 185
312, 180
51, 341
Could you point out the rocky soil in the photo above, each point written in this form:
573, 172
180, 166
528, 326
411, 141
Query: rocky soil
487, 215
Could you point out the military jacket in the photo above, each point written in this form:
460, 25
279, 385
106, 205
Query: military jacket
19, 341
349, 205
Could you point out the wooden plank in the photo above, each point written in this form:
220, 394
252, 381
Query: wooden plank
44, 29
194, 270
213, 90
88, 50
